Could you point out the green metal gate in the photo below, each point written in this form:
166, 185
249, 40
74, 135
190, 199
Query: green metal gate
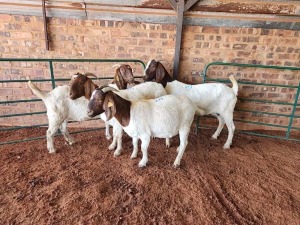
289, 127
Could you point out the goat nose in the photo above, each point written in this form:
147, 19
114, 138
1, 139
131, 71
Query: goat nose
89, 112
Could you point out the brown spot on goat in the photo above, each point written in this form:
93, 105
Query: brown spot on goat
81, 85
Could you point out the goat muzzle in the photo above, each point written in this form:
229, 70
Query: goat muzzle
90, 113
71, 96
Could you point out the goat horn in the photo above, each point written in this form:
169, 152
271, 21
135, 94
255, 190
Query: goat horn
90, 74
106, 89
116, 65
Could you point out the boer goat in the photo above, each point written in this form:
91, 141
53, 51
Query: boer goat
214, 98
81, 85
142, 91
60, 109
163, 117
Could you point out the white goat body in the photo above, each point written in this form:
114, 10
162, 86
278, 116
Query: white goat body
141, 91
60, 109
213, 98
163, 117
210, 97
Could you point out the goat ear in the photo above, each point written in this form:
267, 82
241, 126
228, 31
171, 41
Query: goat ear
126, 73
160, 72
119, 80
110, 104
109, 107
89, 87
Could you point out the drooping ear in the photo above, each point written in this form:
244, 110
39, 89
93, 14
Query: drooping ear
126, 73
160, 72
120, 82
89, 87
109, 107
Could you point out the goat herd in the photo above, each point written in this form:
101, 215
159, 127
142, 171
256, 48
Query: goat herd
162, 109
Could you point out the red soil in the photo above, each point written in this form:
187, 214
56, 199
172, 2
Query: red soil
257, 181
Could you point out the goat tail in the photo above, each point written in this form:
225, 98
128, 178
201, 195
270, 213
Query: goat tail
39, 93
235, 86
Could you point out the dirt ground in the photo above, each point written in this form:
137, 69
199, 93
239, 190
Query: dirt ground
257, 181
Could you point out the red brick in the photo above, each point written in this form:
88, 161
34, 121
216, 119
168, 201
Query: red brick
5, 18
239, 46
168, 27
153, 35
72, 38
211, 30
5, 92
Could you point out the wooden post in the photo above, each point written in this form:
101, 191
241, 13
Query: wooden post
180, 10
189, 4
173, 3
45, 25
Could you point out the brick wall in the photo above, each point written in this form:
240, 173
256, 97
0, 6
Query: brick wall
22, 36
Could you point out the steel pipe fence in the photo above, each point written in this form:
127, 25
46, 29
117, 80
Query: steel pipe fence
53, 81
289, 127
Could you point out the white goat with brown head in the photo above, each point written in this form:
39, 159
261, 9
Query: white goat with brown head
61, 109
213, 98
81, 85
142, 91
163, 117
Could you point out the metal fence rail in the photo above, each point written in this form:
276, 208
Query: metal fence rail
53, 82
294, 105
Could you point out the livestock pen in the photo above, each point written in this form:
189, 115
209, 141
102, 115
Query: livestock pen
244, 81
254, 182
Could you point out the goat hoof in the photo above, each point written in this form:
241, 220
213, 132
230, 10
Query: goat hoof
52, 151
142, 164
133, 156
117, 153
111, 147
215, 137
108, 137
176, 165
226, 146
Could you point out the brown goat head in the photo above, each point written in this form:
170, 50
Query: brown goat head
123, 76
81, 85
156, 71
105, 100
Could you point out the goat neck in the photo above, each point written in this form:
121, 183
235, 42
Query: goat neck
121, 108
167, 78
94, 86
161, 75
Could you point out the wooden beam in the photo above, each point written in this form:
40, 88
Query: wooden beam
189, 4
97, 11
45, 26
180, 9
173, 3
